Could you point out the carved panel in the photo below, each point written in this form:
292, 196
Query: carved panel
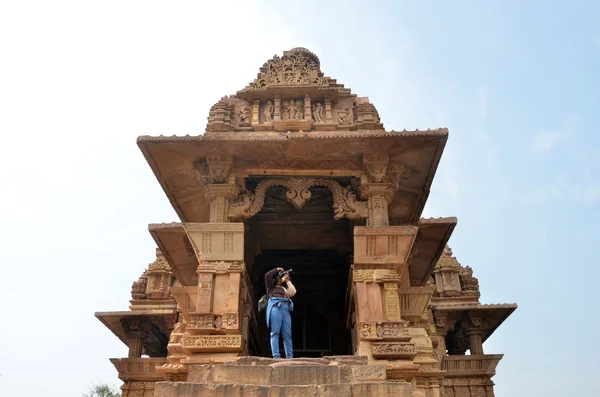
212, 343
205, 286
296, 67
392, 301
212, 322
389, 330
394, 350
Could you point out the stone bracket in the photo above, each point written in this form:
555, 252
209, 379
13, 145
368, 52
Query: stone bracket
216, 241
389, 246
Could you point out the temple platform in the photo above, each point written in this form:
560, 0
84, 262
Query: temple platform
306, 377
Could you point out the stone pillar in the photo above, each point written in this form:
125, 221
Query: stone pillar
474, 331
136, 345
375, 188
213, 332
307, 109
223, 188
277, 106
328, 114
380, 255
443, 325
256, 112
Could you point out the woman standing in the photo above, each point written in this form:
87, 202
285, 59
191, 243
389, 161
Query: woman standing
279, 320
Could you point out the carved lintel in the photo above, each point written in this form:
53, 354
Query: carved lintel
345, 204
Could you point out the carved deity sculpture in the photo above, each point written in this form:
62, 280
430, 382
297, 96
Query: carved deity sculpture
299, 113
344, 115
288, 109
245, 114
268, 112
318, 112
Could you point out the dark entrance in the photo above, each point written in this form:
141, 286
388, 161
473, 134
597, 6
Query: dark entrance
318, 320
318, 248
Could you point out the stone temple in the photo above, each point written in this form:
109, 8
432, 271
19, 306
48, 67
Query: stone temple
295, 171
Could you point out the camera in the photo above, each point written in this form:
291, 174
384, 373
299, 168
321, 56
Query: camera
282, 273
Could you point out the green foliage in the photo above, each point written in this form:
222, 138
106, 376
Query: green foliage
102, 390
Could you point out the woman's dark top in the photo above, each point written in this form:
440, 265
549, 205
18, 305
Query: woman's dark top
278, 291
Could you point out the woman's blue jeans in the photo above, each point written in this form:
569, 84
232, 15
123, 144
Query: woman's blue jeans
281, 324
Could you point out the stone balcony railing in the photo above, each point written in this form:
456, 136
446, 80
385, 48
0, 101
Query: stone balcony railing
484, 364
138, 369
413, 301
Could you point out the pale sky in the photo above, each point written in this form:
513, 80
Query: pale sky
516, 82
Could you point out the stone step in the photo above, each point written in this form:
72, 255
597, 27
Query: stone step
187, 389
328, 360
286, 373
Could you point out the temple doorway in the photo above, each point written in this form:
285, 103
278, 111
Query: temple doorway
318, 321
307, 239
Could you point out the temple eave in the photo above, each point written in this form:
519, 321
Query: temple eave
114, 320
494, 314
432, 237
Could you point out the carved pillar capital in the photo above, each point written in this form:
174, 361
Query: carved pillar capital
219, 168
443, 324
379, 195
220, 196
376, 166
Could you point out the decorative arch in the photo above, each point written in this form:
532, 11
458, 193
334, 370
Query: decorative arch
345, 204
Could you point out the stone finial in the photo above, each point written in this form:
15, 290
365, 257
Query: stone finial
138, 288
159, 277
367, 117
220, 117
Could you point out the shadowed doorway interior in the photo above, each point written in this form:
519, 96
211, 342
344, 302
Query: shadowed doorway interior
318, 320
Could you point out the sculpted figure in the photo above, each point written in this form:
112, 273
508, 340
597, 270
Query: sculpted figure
344, 115
318, 112
299, 110
288, 110
245, 115
268, 112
